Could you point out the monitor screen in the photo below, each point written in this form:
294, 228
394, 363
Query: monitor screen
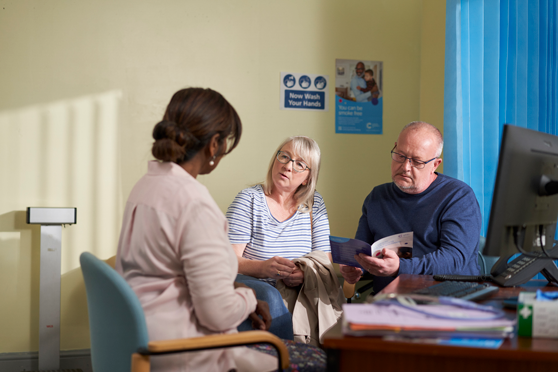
525, 202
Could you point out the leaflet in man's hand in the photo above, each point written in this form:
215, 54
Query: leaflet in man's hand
343, 250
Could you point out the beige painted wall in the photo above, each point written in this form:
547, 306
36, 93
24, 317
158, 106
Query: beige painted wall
83, 83
432, 56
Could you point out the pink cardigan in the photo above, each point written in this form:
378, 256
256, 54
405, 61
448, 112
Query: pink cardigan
175, 254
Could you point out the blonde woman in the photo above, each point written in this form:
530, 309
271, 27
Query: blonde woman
272, 223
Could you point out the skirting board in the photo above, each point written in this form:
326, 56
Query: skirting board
69, 360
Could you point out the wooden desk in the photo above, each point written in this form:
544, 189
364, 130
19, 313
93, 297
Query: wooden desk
346, 353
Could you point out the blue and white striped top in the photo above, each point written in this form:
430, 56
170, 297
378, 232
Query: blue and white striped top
251, 222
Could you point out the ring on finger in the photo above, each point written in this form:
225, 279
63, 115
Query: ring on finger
278, 273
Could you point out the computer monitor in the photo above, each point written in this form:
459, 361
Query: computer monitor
524, 208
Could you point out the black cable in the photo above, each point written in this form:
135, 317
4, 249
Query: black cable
541, 232
546, 256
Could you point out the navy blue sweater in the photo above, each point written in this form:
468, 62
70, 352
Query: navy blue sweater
445, 220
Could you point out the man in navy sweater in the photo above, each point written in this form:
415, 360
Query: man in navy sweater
442, 212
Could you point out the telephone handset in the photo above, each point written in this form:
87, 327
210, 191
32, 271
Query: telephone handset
522, 269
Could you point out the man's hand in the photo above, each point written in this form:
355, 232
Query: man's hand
278, 267
350, 274
359, 88
386, 266
263, 323
296, 278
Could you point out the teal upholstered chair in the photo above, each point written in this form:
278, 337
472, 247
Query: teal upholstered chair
119, 339
485, 262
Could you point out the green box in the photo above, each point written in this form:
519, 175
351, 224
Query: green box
536, 318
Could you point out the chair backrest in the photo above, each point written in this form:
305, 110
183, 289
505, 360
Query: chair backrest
116, 319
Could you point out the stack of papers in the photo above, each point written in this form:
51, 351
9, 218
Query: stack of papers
391, 319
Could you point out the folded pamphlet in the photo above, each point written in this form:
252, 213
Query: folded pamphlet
483, 342
343, 250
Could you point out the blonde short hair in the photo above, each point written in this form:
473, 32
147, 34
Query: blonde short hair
307, 149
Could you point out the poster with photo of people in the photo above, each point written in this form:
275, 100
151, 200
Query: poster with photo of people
358, 96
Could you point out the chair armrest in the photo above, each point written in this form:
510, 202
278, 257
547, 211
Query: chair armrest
111, 261
348, 290
219, 341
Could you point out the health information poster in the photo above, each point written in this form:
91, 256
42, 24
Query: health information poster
358, 96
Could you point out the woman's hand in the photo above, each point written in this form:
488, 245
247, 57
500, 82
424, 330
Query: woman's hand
261, 318
296, 278
277, 268
350, 274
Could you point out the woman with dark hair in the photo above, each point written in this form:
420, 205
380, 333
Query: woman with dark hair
174, 250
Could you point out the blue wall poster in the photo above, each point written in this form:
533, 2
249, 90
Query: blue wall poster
304, 92
358, 96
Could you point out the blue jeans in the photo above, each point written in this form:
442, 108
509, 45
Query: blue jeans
282, 322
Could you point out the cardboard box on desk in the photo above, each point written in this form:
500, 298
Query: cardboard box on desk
536, 318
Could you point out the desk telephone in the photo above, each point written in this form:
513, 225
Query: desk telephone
519, 271
522, 269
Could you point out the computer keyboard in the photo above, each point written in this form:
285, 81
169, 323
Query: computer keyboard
462, 278
462, 290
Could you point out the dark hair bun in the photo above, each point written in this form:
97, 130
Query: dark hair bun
171, 142
193, 117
